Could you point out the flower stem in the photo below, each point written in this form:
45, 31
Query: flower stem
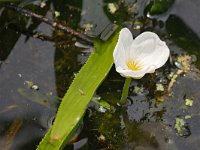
125, 90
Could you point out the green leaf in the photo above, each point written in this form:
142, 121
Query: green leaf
79, 94
160, 6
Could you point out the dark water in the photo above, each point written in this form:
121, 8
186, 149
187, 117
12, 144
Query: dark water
35, 73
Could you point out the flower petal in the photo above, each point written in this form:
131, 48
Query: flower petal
126, 38
135, 74
149, 50
163, 54
143, 37
123, 44
143, 45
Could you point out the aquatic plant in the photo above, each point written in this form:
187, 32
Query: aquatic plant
79, 94
135, 58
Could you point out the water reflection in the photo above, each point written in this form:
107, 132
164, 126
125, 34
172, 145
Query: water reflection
91, 13
22, 115
8, 36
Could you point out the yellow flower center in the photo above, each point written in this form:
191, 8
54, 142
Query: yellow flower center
133, 65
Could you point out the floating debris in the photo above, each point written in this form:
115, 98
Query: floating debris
184, 62
112, 8
20, 75
173, 76
163, 81
188, 102
43, 4
31, 85
88, 27
35, 87
81, 45
102, 109
137, 25
188, 117
138, 90
101, 138
159, 87
49, 93
179, 125
178, 65
56, 13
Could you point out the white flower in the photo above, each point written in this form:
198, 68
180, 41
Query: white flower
144, 54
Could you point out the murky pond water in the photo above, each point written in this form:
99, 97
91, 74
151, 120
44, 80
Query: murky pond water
162, 111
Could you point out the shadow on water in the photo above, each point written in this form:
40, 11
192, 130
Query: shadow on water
35, 73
